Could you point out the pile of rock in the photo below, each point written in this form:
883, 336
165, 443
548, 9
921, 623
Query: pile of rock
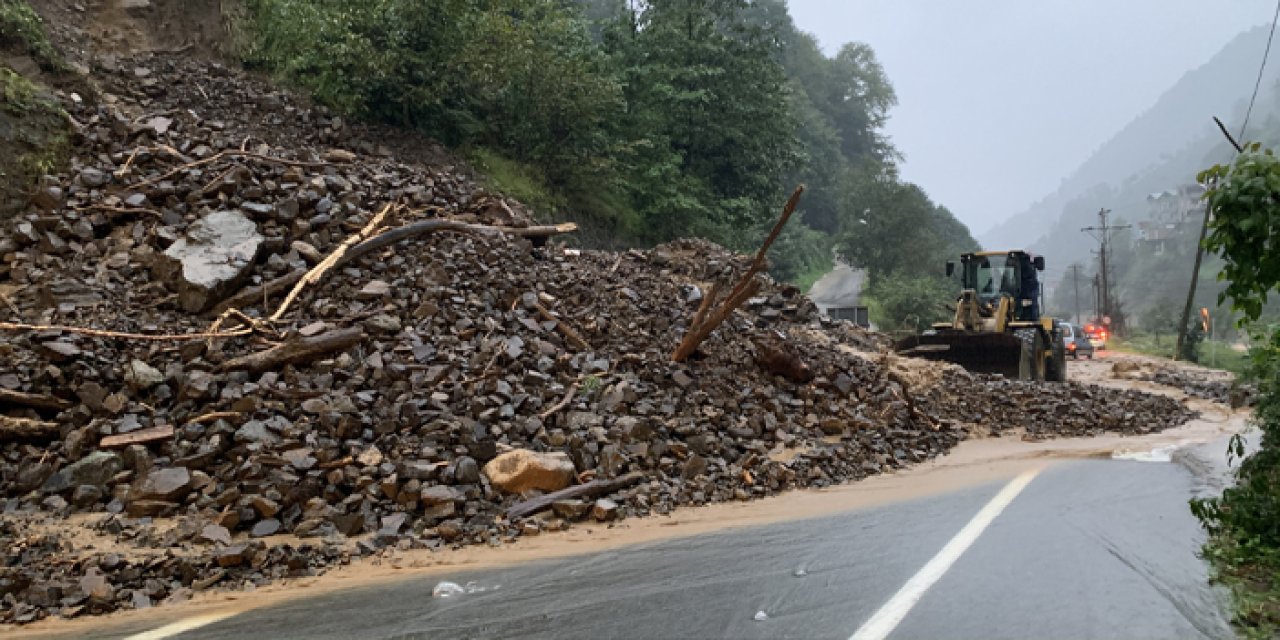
477, 371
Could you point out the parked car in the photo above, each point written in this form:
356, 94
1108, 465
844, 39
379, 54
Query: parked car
1097, 334
1076, 341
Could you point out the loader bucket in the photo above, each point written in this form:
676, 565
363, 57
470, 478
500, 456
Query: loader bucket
978, 352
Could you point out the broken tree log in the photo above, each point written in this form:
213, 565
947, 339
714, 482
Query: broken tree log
563, 327
704, 323
588, 490
33, 400
254, 295
296, 350
12, 429
141, 436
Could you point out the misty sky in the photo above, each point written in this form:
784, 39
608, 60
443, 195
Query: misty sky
999, 100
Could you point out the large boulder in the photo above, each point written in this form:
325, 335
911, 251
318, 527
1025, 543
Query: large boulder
94, 469
211, 261
522, 470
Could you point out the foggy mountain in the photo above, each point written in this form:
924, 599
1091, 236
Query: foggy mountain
1160, 149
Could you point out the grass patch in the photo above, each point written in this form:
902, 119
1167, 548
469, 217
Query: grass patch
514, 180
22, 31
1214, 354
35, 137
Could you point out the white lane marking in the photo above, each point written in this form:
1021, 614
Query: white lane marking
880, 625
182, 626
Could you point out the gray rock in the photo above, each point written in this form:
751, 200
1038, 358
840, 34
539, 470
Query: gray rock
169, 484
94, 469
212, 260
466, 471
141, 376
93, 178
264, 528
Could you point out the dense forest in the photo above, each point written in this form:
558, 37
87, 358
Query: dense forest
643, 121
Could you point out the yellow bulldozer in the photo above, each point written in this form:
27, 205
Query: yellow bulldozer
998, 326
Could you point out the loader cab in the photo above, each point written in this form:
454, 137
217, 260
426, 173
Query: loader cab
996, 274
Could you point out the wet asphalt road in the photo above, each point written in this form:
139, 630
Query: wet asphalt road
1090, 549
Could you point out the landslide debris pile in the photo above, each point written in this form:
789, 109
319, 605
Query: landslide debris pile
1206, 384
475, 372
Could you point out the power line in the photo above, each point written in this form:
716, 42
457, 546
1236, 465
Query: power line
1261, 67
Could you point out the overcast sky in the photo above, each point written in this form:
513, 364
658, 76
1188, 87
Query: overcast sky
999, 100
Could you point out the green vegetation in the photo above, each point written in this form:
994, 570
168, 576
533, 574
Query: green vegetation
641, 121
22, 31
34, 135
1244, 523
1215, 354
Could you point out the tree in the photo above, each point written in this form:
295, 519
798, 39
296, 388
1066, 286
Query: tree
1244, 198
1161, 318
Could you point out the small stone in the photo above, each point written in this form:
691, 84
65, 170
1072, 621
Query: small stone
215, 534
383, 323
93, 178
141, 376
466, 471
604, 510
374, 290
264, 528
571, 509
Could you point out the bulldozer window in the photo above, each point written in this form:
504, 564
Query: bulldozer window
991, 280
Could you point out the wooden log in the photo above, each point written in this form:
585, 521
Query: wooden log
254, 295
34, 400
296, 350
563, 327
703, 322
141, 436
588, 490
436, 225
12, 429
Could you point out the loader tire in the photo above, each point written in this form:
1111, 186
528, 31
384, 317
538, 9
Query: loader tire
1031, 359
1056, 371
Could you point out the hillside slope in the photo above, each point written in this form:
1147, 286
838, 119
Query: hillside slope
1161, 148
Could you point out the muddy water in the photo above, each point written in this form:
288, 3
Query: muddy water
973, 462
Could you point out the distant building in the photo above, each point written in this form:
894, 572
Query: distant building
1169, 213
839, 295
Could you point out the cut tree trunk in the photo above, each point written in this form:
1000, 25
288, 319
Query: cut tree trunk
296, 350
588, 490
12, 429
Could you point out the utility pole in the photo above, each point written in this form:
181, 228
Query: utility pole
1102, 233
1075, 280
1195, 278
1097, 297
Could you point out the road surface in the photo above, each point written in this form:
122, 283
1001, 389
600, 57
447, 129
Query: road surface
1090, 548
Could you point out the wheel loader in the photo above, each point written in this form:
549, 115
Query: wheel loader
998, 327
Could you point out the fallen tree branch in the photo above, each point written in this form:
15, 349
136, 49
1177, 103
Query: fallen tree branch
564, 402
588, 490
703, 323
123, 335
317, 272
12, 429
296, 350
223, 154
253, 295
563, 327
35, 400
